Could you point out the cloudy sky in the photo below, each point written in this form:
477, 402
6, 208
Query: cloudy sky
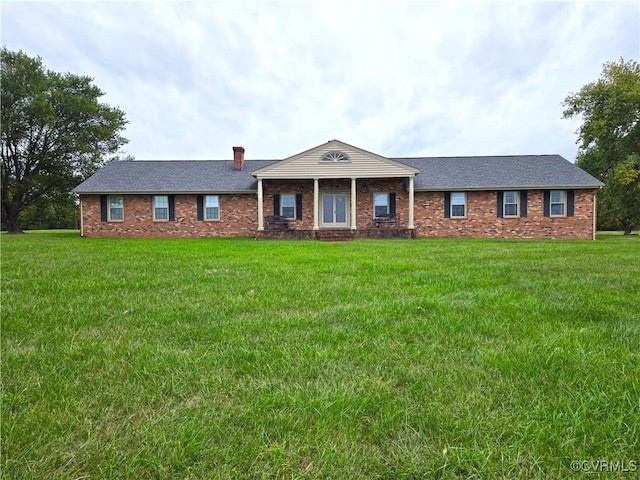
418, 78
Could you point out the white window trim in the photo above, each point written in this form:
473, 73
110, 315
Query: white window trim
563, 203
109, 209
504, 204
154, 209
335, 157
204, 207
451, 204
387, 204
282, 195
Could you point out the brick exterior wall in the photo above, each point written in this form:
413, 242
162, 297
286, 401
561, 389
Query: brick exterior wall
238, 217
482, 217
239, 213
364, 199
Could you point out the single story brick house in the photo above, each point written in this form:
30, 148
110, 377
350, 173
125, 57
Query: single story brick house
338, 191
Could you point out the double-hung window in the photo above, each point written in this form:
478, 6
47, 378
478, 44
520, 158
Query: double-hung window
212, 207
380, 204
116, 208
160, 207
558, 201
288, 205
458, 204
511, 204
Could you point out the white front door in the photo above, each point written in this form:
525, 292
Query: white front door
334, 210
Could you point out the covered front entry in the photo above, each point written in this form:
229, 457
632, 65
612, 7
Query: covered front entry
336, 204
335, 212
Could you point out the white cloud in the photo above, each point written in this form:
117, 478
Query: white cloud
397, 78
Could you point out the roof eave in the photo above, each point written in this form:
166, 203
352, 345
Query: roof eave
334, 176
508, 187
168, 192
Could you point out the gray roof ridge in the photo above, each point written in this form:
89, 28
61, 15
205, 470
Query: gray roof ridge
195, 160
482, 156
390, 158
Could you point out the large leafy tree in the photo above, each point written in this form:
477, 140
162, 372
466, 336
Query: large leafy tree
609, 140
55, 133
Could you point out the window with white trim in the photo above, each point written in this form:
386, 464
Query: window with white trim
458, 204
160, 207
212, 207
116, 208
558, 201
511, 203
380, 204
288, 205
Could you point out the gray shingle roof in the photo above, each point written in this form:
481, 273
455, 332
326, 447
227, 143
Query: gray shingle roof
173, 176
498, 172
437, 173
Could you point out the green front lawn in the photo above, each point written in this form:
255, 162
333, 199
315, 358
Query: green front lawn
235, 358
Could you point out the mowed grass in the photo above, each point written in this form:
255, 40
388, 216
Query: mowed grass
237, 358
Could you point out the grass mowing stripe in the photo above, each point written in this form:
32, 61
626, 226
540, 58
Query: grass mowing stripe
218, 358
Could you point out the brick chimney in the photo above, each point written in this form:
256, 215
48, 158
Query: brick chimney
238, 158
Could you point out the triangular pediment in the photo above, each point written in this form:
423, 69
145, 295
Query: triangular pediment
335, 159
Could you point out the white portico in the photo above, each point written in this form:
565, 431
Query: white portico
340, 166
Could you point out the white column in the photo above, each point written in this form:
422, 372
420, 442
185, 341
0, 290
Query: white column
353, 204
316, 196
411, 202
260, 206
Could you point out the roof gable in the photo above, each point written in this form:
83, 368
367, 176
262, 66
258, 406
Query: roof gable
350, 162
